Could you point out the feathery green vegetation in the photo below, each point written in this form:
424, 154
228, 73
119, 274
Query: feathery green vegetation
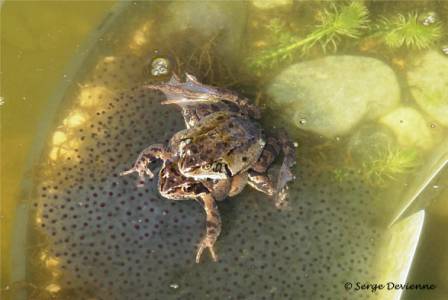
393, 162
409, 31
336, 23
385, 168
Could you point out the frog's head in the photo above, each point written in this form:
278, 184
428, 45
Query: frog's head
199, 163
173, 185
194, 166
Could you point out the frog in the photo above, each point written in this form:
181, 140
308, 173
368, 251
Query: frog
222, 149
175, 186
224, 144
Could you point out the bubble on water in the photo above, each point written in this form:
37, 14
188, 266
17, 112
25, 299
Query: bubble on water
445, 49
160, 66
53, 288
429, 19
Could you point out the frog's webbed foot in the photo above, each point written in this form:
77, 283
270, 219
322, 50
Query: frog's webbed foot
145, 158
193, 92
213, 224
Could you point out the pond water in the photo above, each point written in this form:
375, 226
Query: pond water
360, 87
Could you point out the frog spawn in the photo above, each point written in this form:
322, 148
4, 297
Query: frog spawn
113, 240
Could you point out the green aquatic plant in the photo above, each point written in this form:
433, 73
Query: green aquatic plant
389, 165
340, 21
380, 169
280, 33
409, 30
343, 174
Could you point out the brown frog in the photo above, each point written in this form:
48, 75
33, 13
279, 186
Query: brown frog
223, 149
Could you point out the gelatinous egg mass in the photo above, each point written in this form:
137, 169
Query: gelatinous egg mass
96, 235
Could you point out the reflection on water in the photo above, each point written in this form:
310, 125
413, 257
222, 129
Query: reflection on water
38, 40
364, 132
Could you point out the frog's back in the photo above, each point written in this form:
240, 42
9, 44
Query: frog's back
194, 113
234, 137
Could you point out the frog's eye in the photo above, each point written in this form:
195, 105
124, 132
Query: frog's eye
217, 167
187, 189
182, 145
207, 167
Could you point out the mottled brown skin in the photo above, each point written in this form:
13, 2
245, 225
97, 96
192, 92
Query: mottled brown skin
222, 150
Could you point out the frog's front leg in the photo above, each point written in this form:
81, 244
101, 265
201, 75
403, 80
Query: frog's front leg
239, 181
213, 226
263, 183
147, 156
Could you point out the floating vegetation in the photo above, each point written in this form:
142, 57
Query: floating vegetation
336, 23
412, 31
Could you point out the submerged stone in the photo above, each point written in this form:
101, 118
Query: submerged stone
428, 81
410, 127
369, 142
329, 96
220, 21
270, 4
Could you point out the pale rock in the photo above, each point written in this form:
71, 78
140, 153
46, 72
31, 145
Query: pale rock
224, 21
329, 96
428, 82
270, 4
410, 127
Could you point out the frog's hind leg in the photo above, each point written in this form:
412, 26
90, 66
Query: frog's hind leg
289, 159
270, 151
147, 156
213, 226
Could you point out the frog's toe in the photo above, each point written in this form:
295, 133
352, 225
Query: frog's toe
213, 226
281, 199
127, 172
149, 173
206, 243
